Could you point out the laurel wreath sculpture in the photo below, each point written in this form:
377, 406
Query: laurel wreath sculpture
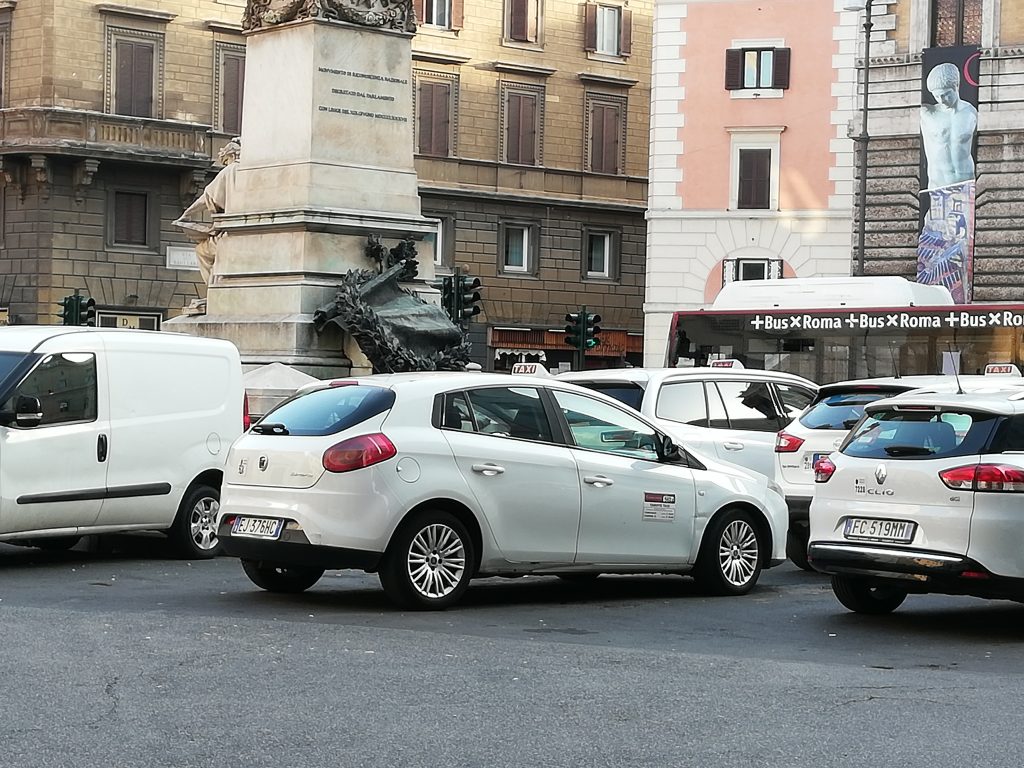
389, 14
355, 314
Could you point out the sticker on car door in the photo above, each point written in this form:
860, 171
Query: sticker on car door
659, 507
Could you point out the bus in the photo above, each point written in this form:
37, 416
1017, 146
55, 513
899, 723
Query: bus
835, 329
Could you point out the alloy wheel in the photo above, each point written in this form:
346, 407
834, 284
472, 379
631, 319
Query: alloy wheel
738, 553
203, 523
436, 561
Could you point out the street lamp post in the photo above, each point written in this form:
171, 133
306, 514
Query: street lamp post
862, 139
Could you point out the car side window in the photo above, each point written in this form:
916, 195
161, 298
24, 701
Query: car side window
598, 426
683, 402
65, 385
794, 400
509, 412
1009, 436
749, 405
456, 414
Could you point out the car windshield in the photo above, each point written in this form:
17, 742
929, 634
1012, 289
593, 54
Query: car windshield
841, 410
12, 366
326, 411
920, 434
628, 394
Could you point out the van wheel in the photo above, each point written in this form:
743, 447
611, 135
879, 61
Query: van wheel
862, 597
281, 578
194, 532
796, 548
428, 564
730, 555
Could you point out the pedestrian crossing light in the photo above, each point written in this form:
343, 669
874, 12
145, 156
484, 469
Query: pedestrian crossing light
591, 331
468, 295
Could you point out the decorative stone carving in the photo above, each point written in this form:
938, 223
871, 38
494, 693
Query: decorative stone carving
85, 170
12, 174
389, 14
40, 165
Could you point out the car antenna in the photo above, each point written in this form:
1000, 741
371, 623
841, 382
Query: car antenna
895, 364
955, 365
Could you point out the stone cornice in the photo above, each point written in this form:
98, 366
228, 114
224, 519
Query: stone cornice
612, 80
144, 14
439, 58
523, 69
225, 27
7, 5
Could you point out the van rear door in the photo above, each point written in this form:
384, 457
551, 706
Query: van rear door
53, 476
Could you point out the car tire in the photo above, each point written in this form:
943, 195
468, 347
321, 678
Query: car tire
55, 543
428, 565
731, 556
287, 579
796, 548
860, 596
194, 532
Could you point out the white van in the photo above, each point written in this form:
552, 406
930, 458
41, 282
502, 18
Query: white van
114, 430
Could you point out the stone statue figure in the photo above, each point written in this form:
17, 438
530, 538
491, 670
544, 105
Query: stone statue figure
947, 129
197, 221
390, 14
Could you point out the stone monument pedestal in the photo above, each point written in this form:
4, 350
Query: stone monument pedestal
326, 160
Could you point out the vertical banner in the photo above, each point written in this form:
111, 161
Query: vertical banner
949, 127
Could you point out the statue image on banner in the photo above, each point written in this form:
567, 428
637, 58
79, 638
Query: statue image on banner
945, 249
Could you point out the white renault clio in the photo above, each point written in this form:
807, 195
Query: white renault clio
433, 479
924, 496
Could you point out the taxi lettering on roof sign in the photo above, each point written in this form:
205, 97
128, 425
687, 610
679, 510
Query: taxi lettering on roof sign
727, 363
530, 369
1002, 369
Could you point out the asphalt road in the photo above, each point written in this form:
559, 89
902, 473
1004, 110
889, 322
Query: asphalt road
131, 658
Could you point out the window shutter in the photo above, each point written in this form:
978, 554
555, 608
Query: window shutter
439, 129
123, 51
780, 69
730, 271
519, 20
626, 33
528, 130
754, 178
611, 139
419, 9
733, 69
597, 138
424, 116
130, 218
143, 81
513, 130
457, 14
590, 27
231, 98
775, 269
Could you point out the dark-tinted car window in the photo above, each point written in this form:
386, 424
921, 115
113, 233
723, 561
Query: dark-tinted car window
457, 414
1009, 436
684, 402
749, 405
630, 394
920, 435
794, 399
510, 412
327, 411
65, 385
841, 410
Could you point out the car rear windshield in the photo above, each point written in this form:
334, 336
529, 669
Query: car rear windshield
920, 434
630, 394
326, 411
841, 410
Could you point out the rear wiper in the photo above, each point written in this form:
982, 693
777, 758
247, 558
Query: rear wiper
270, 428
908, 450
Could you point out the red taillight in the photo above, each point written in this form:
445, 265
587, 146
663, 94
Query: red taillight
787, 443
974, 575
358, 452
994, 478
229, 520
823, 470
246, 418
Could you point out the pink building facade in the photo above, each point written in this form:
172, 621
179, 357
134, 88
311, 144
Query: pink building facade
751, 163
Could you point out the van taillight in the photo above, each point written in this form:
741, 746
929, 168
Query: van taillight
994, 478
787, 443
358, 452
246, 418
823, 470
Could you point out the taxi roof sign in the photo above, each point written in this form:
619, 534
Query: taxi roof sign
726, 363
1002, 369
530, 369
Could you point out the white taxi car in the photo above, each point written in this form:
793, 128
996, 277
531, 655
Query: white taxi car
432, 479
924, 496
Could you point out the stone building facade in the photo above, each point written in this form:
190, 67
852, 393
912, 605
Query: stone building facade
531, 129
901, 30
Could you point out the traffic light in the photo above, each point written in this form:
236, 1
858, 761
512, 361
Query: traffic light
448, 296
574, 329
87, 314
70, 310
591, 331
467, 290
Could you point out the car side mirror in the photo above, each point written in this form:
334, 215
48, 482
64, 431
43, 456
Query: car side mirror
667, 450
27, 411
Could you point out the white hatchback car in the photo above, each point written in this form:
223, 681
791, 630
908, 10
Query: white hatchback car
731, 413
432, 479
924, 496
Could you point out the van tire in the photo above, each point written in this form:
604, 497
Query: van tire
194, 532
796, 548
860, 596
288, 579
731, 554
432, 526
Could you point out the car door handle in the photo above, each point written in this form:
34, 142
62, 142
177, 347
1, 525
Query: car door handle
732, 446
489, 469
598, 480
101, 448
